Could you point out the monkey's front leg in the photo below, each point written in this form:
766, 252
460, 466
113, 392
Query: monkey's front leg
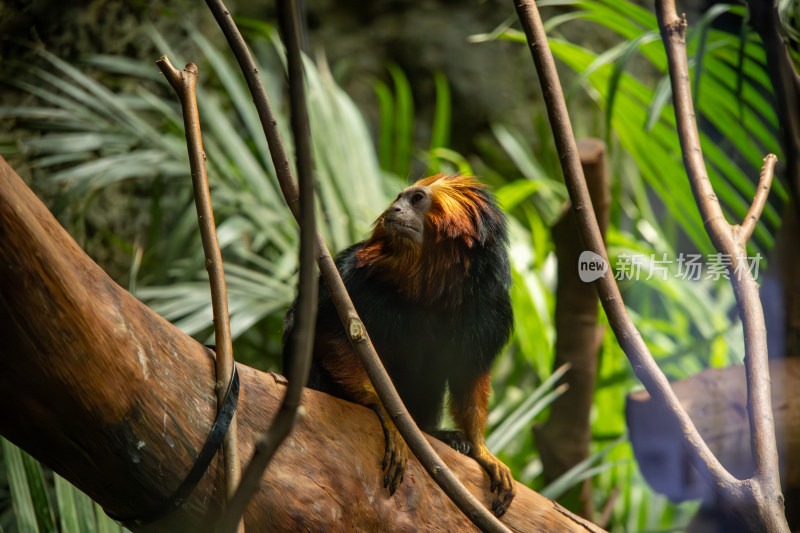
469, 406
349, 373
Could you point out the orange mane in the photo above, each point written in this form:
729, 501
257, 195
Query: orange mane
461, 218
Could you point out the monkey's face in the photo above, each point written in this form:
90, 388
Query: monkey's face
405, 218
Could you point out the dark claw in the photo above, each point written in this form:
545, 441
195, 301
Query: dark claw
387, 456
395, 472
500, 505
504, 484
454, 439
386, 480
392, 475
394, 458
501, 480
394, 461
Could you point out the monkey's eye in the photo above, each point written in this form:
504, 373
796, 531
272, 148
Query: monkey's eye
417, 197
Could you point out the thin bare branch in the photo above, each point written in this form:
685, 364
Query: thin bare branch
268, 121
732, 243
760, 200
184, 83
359, 339
627, 335
673, 29
302, 339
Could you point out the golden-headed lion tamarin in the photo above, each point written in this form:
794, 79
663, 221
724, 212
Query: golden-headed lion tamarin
432, 287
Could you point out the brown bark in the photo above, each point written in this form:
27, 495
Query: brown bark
716, 399
119, 401
563, 441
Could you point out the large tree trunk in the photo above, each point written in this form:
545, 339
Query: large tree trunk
119, 401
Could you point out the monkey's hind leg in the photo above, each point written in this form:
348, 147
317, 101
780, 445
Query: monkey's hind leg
469, 405
348, 373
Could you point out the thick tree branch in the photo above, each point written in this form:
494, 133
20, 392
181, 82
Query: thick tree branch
359, 338
184, 83
119, 402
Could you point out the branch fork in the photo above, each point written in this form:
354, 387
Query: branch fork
758, 500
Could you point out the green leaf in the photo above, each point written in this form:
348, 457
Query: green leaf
518, 420
104, 523
403, 121
84, 508
440, 129
581, 471
385, 135
39, 496
550, 195
65, 501
21, 500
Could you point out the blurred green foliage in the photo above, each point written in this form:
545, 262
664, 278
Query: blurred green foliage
44, 502
92, 138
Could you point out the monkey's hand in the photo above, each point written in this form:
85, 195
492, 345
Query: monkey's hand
396, 455
500, 475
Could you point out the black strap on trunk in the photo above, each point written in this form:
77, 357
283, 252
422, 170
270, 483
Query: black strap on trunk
201, 464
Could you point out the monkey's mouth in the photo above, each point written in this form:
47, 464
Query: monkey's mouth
403, 230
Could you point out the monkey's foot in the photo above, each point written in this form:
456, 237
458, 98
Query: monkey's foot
453, 438
396, 455
394, 460
501, 479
